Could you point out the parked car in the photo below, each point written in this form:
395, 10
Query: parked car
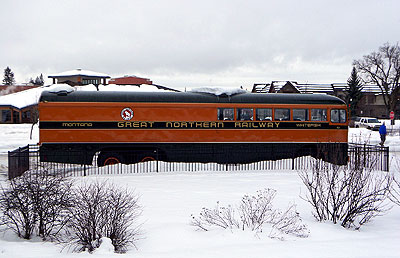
368, 122
353, 120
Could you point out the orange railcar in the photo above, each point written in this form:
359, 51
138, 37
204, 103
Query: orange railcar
130, 127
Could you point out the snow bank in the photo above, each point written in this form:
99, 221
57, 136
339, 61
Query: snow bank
13, 136
106, 246
365, 136
170, 198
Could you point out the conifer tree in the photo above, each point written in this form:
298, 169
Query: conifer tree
8, 77
39, 81
354, 91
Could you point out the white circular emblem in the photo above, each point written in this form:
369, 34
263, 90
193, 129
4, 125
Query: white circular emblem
127, 114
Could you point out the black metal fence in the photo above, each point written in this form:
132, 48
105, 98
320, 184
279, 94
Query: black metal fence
18, 161
369, 156
27, 158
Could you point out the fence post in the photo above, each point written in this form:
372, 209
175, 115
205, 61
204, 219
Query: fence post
292, 160
157, 160
387, 159
10, 170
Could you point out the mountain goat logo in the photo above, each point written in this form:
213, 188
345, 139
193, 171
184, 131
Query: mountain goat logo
127, 114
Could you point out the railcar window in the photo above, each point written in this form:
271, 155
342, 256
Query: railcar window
282, 114
338, 116
300, 114
318, 114
342, 115
225, 114
264, 114
244, 114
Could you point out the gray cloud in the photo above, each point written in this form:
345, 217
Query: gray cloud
191, 43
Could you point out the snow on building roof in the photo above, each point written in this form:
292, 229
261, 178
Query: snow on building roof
23, 98
371, 88
331, 88
322, 88
261, 87
79, 72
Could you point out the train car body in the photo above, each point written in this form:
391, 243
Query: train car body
130, 127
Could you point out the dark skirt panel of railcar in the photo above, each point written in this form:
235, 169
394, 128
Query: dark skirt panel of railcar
222, 153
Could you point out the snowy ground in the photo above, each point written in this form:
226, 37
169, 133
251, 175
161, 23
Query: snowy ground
169, 199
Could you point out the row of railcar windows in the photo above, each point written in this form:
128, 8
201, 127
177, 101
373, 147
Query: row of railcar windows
281, 114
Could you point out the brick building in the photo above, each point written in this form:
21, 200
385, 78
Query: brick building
8, 89
79, 77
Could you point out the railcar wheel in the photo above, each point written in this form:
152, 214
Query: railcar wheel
148, 158
109, 158
150, 155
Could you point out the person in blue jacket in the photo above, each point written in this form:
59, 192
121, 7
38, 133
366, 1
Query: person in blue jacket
382, 132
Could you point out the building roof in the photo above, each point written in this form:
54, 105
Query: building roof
8, 89
276, 86
22, 99
130, 80
261, 88
79, 72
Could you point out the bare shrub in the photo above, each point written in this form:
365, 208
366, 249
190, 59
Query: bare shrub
347, 195
289, 222
395, 192
51, 196
257, 210
17, 211
253, 213
223, 217
35, 201
101, 210
123, 211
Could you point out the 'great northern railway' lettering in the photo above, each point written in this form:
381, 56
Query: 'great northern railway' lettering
137, 124
196, 125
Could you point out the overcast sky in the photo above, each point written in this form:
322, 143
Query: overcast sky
196, 43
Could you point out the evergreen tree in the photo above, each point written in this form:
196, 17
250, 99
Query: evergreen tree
38, 81
8, 77
41, 80
353, 90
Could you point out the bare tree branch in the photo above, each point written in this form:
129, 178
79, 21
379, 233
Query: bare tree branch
382, 68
